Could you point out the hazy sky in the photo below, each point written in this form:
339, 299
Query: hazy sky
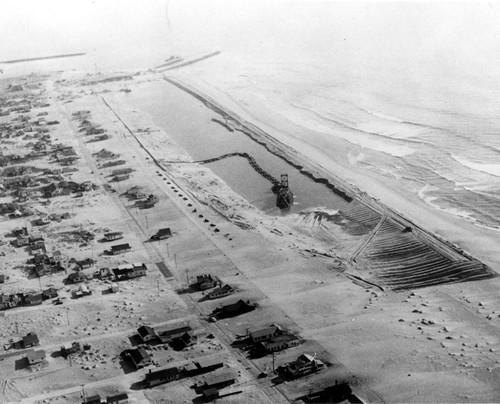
450, 34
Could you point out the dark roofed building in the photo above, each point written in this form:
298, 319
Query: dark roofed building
120, 398
95, 399
161, 376
120, 248
167, 336
128, 271
33, 299
162, 234
234, 309
278, 343
139, 358
202, 365
30, 339
147, 333
204, 282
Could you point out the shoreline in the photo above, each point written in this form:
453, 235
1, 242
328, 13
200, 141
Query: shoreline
477, 241
295, 159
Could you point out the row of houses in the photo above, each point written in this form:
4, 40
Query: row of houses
26, 299
198, 367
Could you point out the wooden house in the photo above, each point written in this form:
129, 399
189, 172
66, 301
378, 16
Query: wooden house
265, 334
202, 365
234, 309
138, 358
155, 378
169, 335
204, 282
162, 234
35, 357
120, 398
30, 340
147, 333
116, 235
218, 381
303, 365
120, 248
278, 343
95, 399
223, 291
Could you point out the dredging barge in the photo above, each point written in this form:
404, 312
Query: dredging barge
284, 197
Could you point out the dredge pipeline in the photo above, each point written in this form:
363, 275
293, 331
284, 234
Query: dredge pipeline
253, 163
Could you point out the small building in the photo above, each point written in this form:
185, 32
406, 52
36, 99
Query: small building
216, 381
162, 376
35, 357
33, 299
162, 234
121, 177
120, 248
305, 364
204, 282
202, 365
338, 393
120, 398
43, 269
103, 273
77, 277
116, 235
128, 271
50, 293
223, 291
73, 349
95, 399
42, 221
265, 334
22, 241
182, 342
278, 343
2, 278
138, 358
29, 340
147, 333
82, 290
234, 309
23, 231
169, 335
121, 171
86, 263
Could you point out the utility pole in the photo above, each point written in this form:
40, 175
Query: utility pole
187, 276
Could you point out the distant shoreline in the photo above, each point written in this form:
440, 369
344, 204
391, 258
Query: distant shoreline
67, 55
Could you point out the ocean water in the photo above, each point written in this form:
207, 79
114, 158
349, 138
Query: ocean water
438, 140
